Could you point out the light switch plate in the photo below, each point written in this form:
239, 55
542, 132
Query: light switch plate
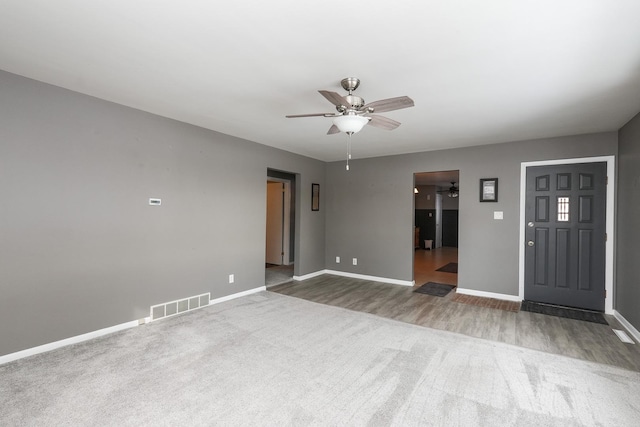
498, 215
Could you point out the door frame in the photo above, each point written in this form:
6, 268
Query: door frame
610, 220
286, 219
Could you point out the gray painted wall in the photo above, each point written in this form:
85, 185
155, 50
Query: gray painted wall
370, 209
627, 295
426, 198
81, 249
450, 203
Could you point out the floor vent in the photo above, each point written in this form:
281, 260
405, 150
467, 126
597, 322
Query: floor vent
623, 336
168, 309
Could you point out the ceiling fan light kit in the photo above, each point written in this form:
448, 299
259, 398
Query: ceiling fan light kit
350, 123
352, 112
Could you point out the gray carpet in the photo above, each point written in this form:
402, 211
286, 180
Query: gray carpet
269, 359
278, 274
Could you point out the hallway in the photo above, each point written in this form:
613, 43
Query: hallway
426, 262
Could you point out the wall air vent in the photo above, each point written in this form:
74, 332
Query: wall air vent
168, 309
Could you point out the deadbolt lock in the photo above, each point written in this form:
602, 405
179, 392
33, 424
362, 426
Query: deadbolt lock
530, 243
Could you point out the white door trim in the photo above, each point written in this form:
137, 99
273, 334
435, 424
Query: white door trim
611, 164
286, 218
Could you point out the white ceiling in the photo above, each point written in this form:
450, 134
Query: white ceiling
479, 71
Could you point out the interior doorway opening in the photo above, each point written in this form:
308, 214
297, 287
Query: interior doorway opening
280, 227
436, 205
277, 233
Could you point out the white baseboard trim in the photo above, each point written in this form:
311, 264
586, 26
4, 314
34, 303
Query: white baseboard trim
67, 341
355, 276
372, 278
484, 294
628, 326
310, 275
237, 295
95, 334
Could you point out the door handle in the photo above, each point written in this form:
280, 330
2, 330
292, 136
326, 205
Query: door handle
530, 243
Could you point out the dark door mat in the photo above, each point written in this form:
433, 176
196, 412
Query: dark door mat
435, 289
452, 267
566, 312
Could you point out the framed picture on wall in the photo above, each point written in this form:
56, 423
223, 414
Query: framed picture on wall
489, 190
315, 197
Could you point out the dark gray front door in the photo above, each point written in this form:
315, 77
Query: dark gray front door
565, 235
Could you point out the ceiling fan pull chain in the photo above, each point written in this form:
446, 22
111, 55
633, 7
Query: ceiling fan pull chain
349, 148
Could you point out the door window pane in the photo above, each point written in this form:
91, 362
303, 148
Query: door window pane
563, 209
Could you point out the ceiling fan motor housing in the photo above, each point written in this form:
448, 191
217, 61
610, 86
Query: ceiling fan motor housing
355, 101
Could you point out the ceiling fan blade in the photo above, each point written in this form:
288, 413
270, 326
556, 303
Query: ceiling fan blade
383, 122
389, 104
293, 116
333, 129
335, 98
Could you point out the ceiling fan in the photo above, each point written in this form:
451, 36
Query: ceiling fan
453, 190
352, 112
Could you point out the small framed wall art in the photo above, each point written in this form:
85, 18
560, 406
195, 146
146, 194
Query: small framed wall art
489, 190
315, 197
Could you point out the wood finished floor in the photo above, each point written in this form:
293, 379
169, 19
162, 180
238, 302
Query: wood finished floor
582, 340
426, 262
